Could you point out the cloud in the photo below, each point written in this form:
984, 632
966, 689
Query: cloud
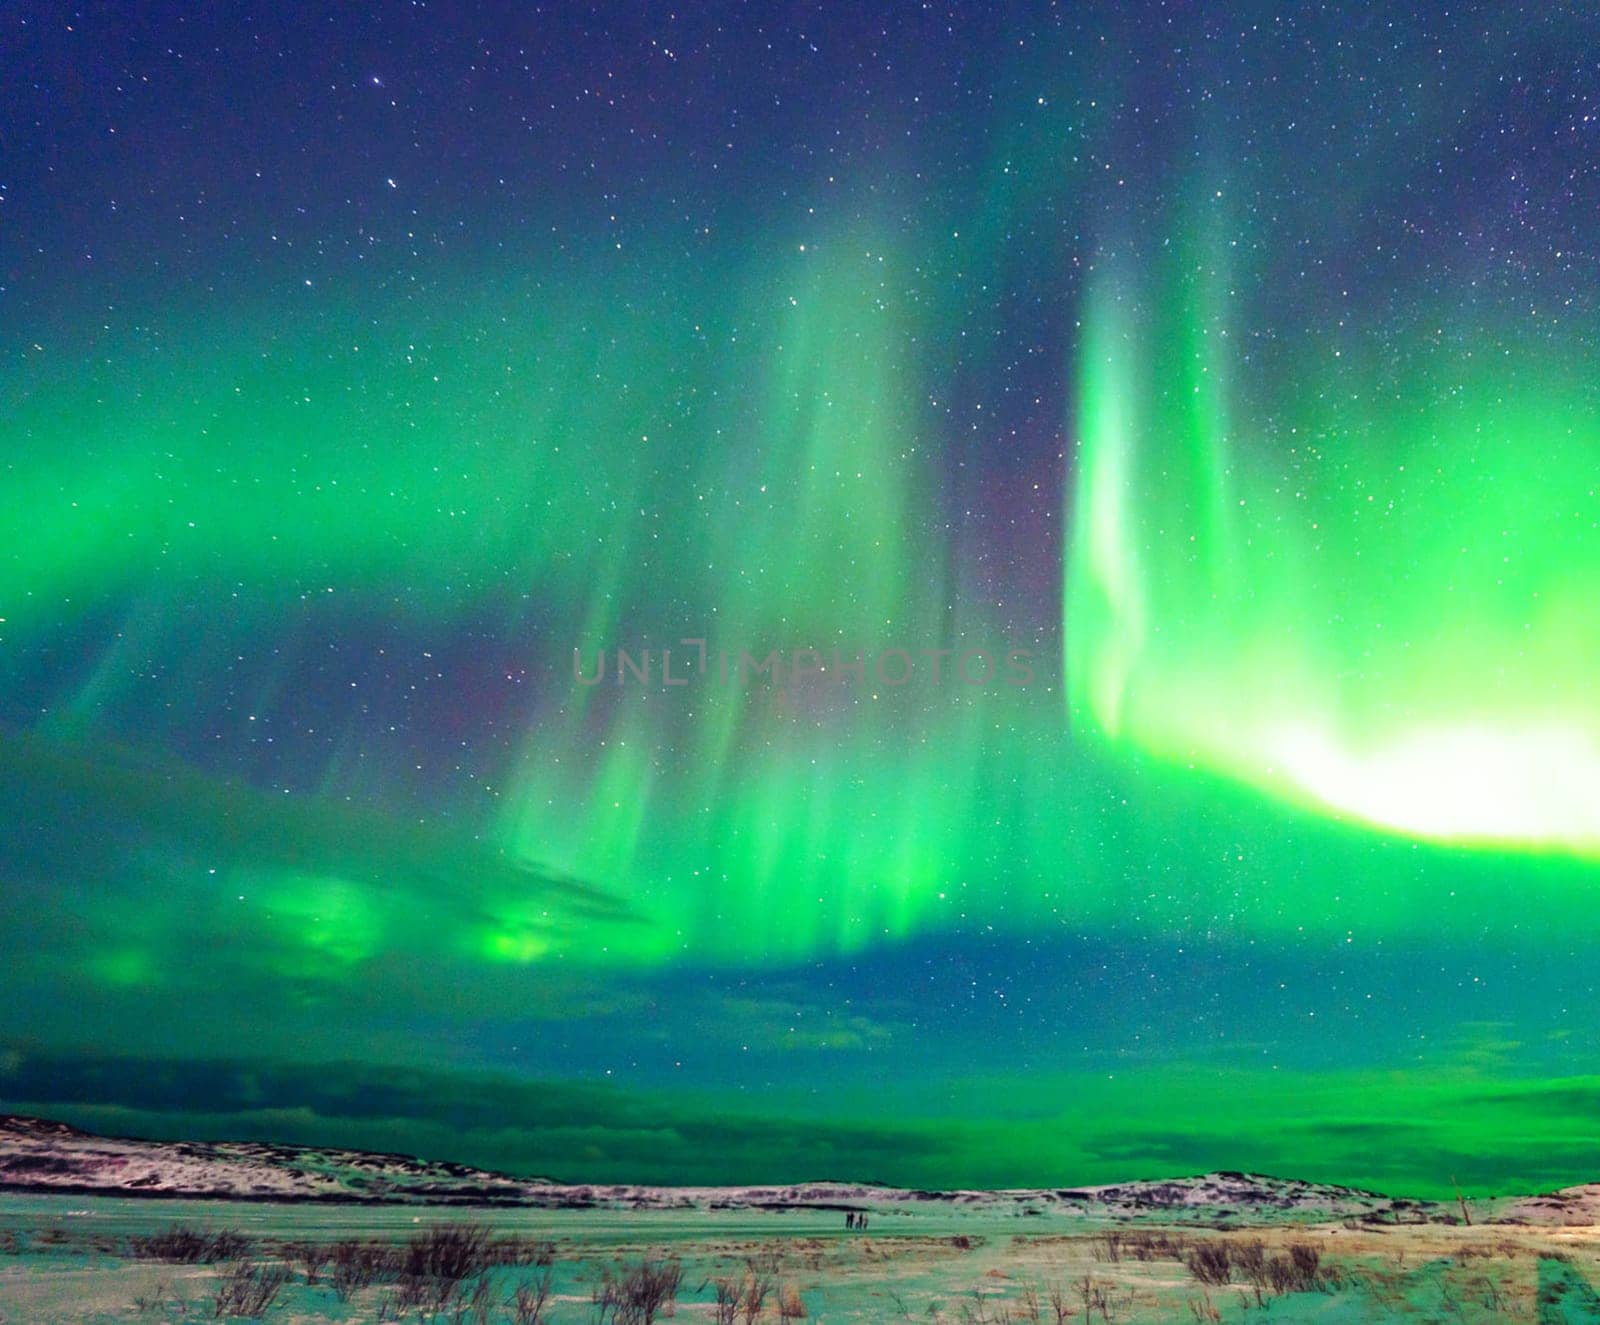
74, 802
560, 1129
1329, 1127
798, 1022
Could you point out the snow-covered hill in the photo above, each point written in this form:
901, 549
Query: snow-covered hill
38, 1155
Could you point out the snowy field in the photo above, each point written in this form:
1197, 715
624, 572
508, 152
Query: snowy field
100, 1259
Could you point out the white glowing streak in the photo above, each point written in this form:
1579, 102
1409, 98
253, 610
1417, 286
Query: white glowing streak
1531, 782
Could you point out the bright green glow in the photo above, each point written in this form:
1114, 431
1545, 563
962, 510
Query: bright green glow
1262, 666
1296, 848
780, 822
758, 471
1373, 601
125, 968
1432, 782
1233, 603
327, 919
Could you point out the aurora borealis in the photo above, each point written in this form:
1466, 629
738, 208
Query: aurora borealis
1312, 643
1235, 362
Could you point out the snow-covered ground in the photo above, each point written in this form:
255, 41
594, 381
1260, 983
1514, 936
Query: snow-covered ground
88, 1259
90, 1242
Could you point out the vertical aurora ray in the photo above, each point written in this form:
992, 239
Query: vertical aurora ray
1386, 618
787, 820
354, 372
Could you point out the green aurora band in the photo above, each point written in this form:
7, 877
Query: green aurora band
1365, 629
1286, 859
1370, 626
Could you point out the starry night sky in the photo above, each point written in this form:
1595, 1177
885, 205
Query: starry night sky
360, 364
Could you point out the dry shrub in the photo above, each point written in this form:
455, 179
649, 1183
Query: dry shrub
450, 1252
188, 1246
248, 1290
528, 1300
1250, 1260
638, 1295
729, 1294
1210, 1263
522, 1251
356, 1265
1300, 1271
1150, 1245
312, 1257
